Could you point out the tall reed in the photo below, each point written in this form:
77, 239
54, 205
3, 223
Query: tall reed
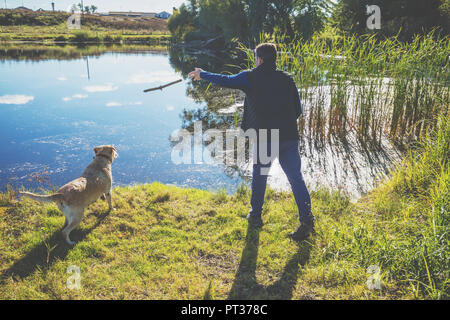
376, 88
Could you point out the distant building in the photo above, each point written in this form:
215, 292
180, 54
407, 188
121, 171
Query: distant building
163, 15
132, 14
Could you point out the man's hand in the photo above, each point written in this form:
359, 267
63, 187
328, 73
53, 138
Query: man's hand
195, 75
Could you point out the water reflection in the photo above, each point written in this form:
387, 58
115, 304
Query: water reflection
55, 110
338, 162
70, 114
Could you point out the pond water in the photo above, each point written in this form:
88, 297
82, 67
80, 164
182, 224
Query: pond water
55, 110
52, 115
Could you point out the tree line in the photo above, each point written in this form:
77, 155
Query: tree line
83, 9
247, 19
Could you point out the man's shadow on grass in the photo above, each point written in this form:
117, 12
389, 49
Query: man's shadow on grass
47, 252
245, 285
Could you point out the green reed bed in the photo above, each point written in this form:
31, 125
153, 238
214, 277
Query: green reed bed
374, 88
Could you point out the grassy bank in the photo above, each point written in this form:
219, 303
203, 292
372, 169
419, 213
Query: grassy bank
16, 25
165, 242
85, 35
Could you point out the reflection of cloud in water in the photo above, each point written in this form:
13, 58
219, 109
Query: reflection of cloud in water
76, 96
231, 109
84, 124
101, 88
118, 104
15, 99
113, 104
151, 77
65, 142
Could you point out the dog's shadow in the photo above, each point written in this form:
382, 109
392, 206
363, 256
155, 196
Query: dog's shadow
245, 285
48, 252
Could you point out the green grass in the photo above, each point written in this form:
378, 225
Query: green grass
93, 30
165, 242
60, 34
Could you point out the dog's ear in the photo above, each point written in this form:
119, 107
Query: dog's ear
114, 153
97, 150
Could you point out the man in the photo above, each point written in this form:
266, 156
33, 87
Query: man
271, 102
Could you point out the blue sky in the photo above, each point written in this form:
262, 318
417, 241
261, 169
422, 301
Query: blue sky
103, 5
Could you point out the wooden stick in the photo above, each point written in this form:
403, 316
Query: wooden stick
164, 86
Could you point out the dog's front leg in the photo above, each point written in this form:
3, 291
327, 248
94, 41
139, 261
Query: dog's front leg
109, 199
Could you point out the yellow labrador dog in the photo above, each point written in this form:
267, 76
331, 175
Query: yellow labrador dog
74, 197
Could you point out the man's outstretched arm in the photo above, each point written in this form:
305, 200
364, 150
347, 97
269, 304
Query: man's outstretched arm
237, 81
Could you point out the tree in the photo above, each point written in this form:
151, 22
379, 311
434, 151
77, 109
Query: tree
93, 9
405, 18
311, 16
280, 15
181, 23
247, 19
74, 8
223, 17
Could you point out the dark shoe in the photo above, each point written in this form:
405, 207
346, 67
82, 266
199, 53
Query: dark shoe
302, 232
255, 220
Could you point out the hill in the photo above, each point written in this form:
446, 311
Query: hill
48, 18
50, 27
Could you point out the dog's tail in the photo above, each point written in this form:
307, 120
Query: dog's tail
37, 197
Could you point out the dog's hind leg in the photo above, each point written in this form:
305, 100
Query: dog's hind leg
61, 208
74, 220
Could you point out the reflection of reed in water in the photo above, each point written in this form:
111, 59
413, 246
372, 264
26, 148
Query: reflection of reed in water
362, 99
340, 162
374, 88
337, 161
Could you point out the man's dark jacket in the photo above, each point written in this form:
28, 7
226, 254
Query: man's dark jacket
271, 101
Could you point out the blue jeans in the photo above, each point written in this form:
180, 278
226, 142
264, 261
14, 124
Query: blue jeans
290, 162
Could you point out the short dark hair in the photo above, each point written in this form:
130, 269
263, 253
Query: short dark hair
267, 52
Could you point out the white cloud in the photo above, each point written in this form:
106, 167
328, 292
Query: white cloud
170, 108
113, 104
15, 99
105, 88
162, 76
61, 79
